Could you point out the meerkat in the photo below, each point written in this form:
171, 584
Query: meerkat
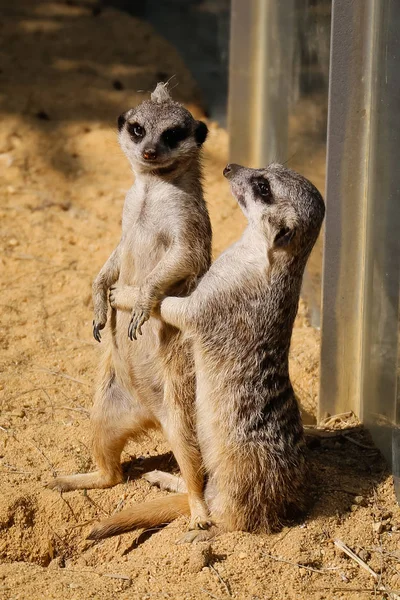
240, 320
147, 377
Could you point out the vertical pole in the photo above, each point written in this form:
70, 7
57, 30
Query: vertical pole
359, 346
261, 58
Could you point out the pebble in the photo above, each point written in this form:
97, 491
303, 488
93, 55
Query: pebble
13, 242
378, 527
242, 555
386, 515
18, 413
364, 555
395, 581
360, 500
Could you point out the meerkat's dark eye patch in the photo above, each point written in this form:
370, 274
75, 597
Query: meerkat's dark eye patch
172, 137
262, 189
200, 133
136, 131
121, 122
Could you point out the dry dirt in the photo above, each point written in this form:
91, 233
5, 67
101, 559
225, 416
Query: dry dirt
63, 180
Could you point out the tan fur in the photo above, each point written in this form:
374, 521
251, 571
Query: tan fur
147, 380
152, 514
240, 319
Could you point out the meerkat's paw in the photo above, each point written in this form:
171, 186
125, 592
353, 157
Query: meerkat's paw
123, 297
96, 330
62, 484
197, 535
100, 317
200, 522
166, 481
83, 481
140, 315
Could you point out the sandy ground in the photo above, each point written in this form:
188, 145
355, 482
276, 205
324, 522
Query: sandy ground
63, 180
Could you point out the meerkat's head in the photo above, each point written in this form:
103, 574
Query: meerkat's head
285, 205
160, 134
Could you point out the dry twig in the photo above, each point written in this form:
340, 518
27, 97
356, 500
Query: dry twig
299, 565
226, 586
60, 374
342, 546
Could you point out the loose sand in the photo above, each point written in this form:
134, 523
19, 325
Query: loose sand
63, 180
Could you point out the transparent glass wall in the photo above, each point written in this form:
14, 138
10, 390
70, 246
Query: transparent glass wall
278, 97
360, 321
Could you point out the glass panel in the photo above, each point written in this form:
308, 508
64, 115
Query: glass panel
278, 100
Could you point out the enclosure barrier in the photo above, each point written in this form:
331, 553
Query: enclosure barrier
278, 69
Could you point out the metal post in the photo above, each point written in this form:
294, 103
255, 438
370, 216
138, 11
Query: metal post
360, 314
262, 45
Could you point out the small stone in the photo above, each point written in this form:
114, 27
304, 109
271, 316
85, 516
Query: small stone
395, 581
19, 413
360, 500
242, 555
378, 527
364, 555
13, 242
199, 558
386, 515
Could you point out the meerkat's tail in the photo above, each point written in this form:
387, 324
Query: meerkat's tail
147, 515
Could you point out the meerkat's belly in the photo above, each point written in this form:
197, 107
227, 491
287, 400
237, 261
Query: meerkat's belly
140, 255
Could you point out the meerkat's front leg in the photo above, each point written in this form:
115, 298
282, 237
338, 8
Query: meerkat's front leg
172, 268
174, 311
107, 276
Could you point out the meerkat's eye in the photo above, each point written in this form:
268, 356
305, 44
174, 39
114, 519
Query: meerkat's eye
136, 131
172, 137
263, 189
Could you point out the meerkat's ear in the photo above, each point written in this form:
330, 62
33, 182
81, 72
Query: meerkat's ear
121, 121
284, 237
200, 133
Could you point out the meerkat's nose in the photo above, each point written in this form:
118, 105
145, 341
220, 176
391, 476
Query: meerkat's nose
149, 154
230, 169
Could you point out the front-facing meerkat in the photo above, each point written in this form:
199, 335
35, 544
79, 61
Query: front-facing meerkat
240, 320
165, 247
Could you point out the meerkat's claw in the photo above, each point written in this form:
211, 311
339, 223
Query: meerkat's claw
96, 330
135, 326
201, 523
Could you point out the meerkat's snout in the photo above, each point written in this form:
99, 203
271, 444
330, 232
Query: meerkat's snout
149, 154
230, 169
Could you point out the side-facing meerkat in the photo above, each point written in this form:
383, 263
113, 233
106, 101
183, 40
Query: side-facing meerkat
165, 247
240, 320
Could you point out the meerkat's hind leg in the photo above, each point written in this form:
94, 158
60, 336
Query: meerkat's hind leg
116, 417
180, 432
166, 481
